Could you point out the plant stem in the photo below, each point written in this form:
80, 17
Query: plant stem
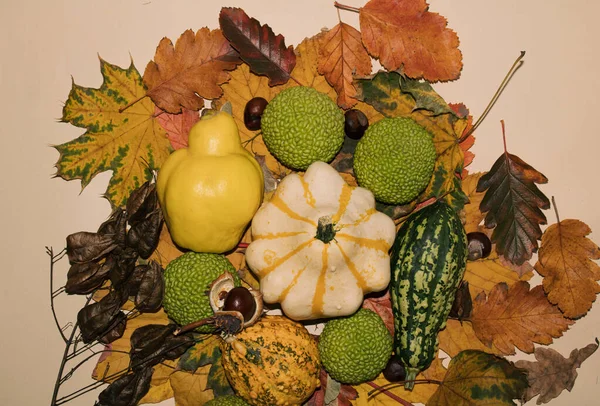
122, 109
53, 260
516, 65
345, 7
388, 393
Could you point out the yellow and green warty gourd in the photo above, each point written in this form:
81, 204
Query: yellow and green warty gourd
210, 191
319, 245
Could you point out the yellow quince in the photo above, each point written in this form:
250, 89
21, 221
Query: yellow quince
210, 191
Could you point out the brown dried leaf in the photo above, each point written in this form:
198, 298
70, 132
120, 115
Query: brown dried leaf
166, 251
341, 56
566, 262
192, 70
552, 373
517, 317
404, 34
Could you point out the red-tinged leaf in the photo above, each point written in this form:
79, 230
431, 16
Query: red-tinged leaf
177, 126
322, 396
191, 71
259, 47
341, 56
512, 202
403, 34
382, 305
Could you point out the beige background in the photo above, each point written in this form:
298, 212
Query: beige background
551, 112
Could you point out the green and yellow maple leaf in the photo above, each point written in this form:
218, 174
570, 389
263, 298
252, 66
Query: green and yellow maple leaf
122, 134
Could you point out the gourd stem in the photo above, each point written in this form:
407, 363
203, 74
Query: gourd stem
411, 376
325, 229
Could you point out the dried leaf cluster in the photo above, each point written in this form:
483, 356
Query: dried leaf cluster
133, 122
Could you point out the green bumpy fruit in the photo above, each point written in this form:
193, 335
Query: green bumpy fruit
229, 400
395, 160
302, 125
187, 282
355, 349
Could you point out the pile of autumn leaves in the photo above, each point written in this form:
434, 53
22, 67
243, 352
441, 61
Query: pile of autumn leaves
244, 59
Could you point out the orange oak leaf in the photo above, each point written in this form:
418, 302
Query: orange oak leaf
404, 34
565, 260
342, 55
192, 70
516, 317
467, 140
177, 126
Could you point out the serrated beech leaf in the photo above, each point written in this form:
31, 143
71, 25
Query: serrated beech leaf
342, 56
566, 261
516, 317
403, 34
259, 47
513, 205
122, 134
192, 70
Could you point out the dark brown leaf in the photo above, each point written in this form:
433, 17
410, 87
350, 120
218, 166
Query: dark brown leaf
553, 373
147, 345
86, 247
97, 319
151, 289
144, 235
124, 264
128, 390
118, 326
115, 226
84, 278
513, 202
263, 51
142, 202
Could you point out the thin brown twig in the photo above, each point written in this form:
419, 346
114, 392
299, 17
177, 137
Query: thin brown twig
345, 7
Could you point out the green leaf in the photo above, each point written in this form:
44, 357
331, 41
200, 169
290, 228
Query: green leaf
385, 93
478, 378
205, 352
425, 97
122, 134
217, 380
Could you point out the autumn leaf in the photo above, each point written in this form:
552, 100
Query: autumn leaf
459, 336
384, 92
331, 392
177, 126
552, 373
375, 393
403, 34
127, 141
473, 215
342, 56
512, 202
516, 317
190, 389
486, 273
160, 386
191, 71
467, 139
566, 262
259, 47
382, 305
476, 377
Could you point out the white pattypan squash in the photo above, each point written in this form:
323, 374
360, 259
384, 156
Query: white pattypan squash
319, 245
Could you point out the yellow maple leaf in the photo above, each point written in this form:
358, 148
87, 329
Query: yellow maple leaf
565, 260
472, 212
122, 136
160, 385
459, 336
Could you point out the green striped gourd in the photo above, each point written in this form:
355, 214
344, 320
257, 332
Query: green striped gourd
428, 260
